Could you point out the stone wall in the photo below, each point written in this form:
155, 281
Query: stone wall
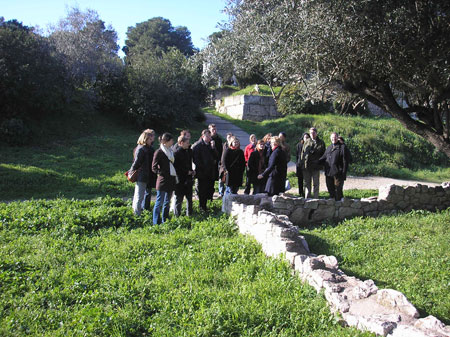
391, 199
248, 107
361, 304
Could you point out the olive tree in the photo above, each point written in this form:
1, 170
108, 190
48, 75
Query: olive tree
393, 53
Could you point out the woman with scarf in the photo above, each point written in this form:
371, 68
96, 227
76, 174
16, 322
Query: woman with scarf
167, 178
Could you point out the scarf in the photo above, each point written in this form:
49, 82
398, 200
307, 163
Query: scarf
169, 153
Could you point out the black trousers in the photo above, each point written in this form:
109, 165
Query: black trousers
300, 185
335, 186
181, 191
205, 190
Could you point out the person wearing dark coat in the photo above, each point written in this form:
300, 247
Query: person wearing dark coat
234, 163
183, 167
335, 161
257, 163
221, 166
312, 150
141, 162
300, 164
152, 178
162, 165
276, 170
216, 141
204, 156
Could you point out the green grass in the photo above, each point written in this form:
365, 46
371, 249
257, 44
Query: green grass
407, 252
264, 90
91, 268
87, 163
379, 146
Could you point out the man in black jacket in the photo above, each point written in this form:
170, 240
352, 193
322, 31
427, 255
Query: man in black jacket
185, 173
216, 141
205, 158
335, 159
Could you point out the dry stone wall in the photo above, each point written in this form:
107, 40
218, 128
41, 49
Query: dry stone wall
361, 304
248, 107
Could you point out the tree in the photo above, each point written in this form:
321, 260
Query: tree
31, 78
163, 90
156, 36
87, 46
393, 53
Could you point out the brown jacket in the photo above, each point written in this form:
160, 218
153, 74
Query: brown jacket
160, 166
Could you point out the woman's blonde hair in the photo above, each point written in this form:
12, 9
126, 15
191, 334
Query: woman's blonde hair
275, 140
267, 137
142, 140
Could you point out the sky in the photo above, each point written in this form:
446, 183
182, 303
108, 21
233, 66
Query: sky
199, 16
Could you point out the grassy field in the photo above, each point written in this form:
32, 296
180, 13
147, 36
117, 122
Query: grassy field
379, 146
90, 267
407, 252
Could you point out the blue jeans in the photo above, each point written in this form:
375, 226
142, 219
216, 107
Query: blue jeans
162, 200
231, 189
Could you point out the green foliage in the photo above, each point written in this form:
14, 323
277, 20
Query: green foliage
164, 91
92, 268
157, 36
379, 146
294, 101
264, 90
31, 80
408, 253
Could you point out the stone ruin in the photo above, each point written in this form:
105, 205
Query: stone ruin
248, 107
273, 222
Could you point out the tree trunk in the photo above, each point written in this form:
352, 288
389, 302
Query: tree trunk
381, 95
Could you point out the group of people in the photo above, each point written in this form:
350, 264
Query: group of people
176, 164
312, 156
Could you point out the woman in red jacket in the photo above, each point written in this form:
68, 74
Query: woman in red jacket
247, 152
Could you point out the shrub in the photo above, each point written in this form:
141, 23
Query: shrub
292, 102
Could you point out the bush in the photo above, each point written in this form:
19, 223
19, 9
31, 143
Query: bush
293, 102
164, 91
14, 131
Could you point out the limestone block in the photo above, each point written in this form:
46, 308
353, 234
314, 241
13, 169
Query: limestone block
330, 261
280, 202
431, 323
312, 203
410, 190
316, 278
337, 300
304, 243
312, 263
384, 192
347, 202
402, 204
361, 289
407, 331
281, 211
330, 202
285, 232
396, 300
424, 189
399, 190
298, 262
356, 204
378, 324
384, 205
300, 216
299, 202
369, 206
347, 212
290, 256
323, 212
